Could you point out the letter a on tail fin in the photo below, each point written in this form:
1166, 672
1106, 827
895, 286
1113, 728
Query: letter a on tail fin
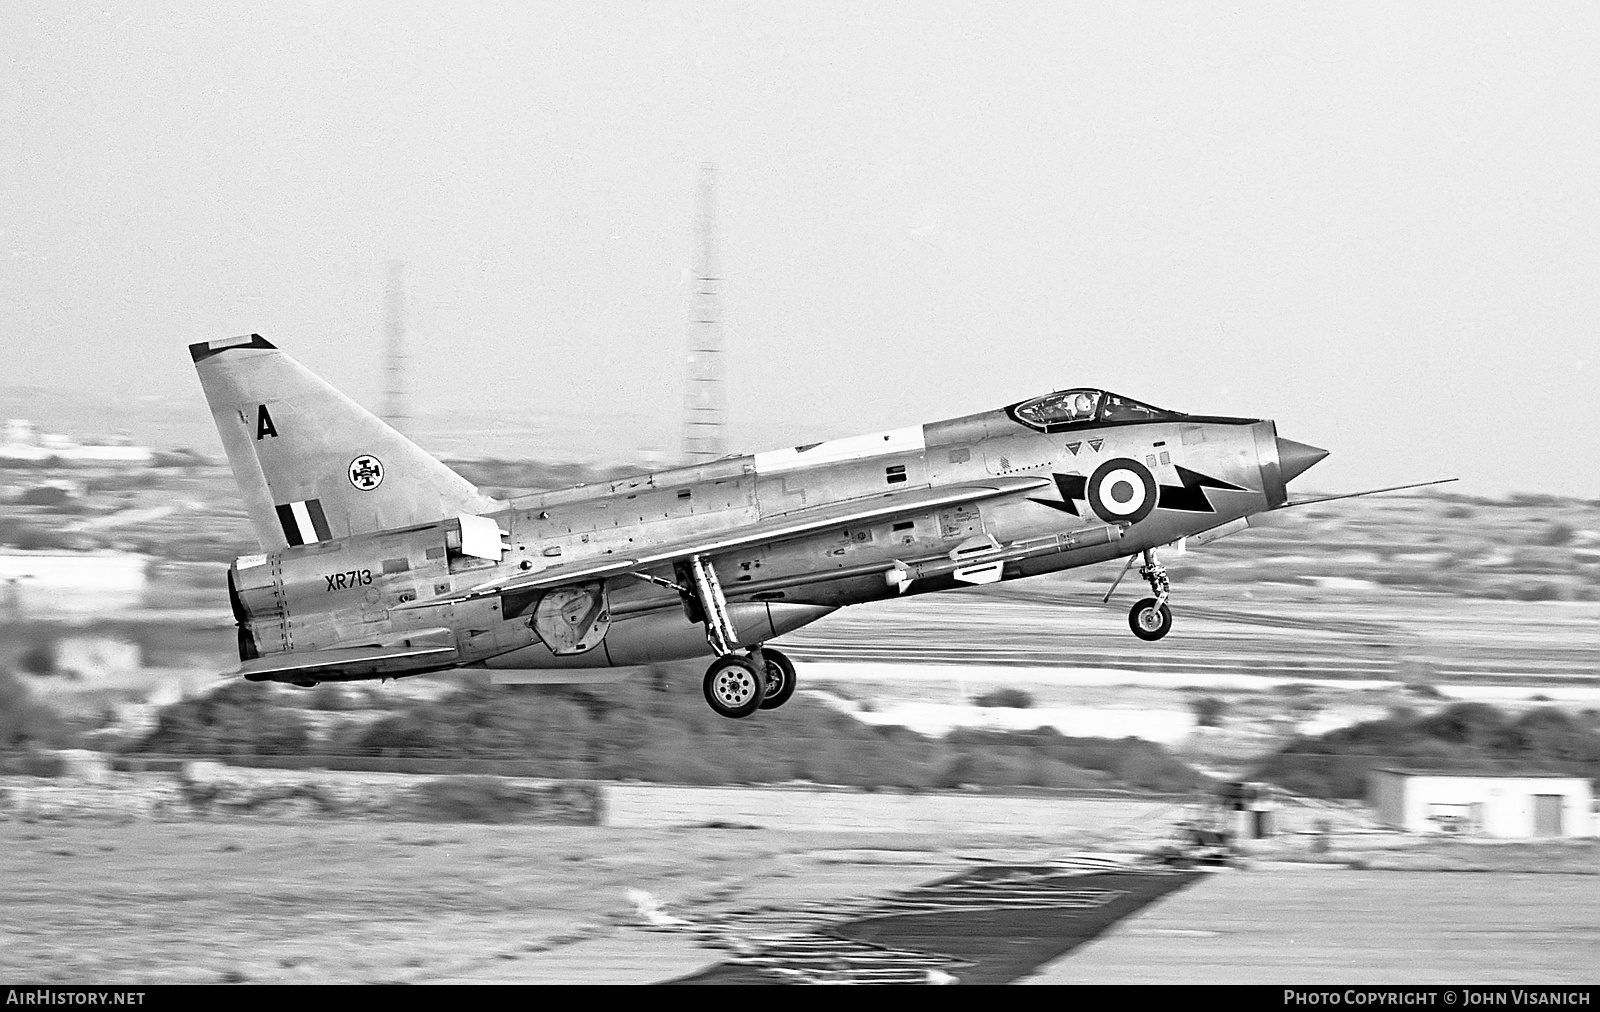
311, 463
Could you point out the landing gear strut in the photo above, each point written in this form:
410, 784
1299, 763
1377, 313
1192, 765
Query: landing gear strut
1150, 618
705, 593
735, 686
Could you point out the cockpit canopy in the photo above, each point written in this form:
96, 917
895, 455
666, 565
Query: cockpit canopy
1084, 407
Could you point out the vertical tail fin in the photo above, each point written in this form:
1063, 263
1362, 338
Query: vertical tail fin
311, 463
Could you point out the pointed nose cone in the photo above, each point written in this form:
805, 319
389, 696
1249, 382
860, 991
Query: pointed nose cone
1295, 459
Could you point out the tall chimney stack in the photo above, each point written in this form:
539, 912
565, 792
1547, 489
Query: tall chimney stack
704, 400
396, 407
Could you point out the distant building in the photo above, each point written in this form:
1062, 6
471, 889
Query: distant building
47, 584
1482, 804
20, 441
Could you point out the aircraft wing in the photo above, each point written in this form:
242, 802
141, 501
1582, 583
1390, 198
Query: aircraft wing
780, 527
345, 662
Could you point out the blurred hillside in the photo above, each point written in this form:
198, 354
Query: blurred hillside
1459, 739
652, 728
1524, 547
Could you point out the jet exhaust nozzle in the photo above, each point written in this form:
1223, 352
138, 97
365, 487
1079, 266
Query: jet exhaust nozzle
1295, 459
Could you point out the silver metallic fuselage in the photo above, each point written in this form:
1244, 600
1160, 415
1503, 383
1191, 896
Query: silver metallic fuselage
376, 588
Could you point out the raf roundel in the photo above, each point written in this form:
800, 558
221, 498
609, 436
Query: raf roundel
366, 472
1122, 491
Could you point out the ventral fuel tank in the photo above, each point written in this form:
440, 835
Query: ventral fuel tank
664, 636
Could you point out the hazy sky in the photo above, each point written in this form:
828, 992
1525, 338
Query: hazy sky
1376, 223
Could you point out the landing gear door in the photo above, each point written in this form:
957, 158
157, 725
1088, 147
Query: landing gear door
573, 620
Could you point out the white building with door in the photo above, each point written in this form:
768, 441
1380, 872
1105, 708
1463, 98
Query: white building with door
1510, 806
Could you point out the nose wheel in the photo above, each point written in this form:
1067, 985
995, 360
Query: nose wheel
1151, 619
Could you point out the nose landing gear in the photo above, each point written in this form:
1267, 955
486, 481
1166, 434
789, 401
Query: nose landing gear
1150, 619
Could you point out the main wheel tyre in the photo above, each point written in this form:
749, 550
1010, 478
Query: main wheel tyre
734, 686
780, 679
1149, 619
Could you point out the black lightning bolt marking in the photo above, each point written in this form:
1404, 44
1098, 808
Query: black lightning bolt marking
1190, 497
1071, 486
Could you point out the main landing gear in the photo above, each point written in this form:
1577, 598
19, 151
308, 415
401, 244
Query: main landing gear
735, 685
1150, 618
780, 676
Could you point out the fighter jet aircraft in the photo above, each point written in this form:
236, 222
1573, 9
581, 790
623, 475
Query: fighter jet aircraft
379, 561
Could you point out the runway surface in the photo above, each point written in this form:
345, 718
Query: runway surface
1321, 924
1066, 923
267, 901
989, 925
